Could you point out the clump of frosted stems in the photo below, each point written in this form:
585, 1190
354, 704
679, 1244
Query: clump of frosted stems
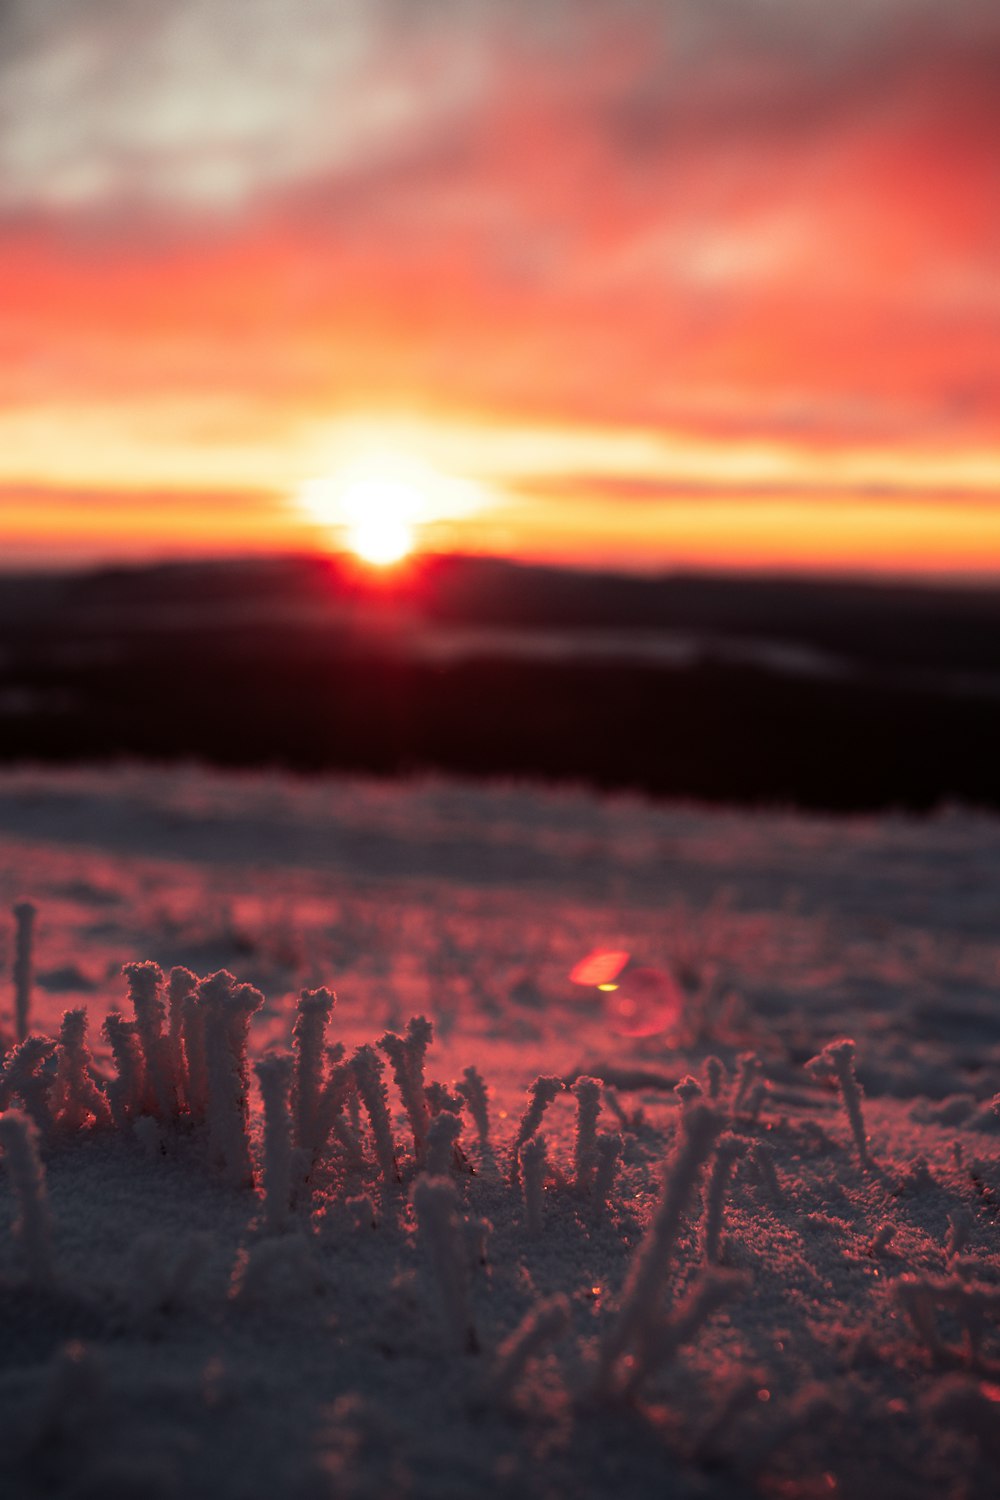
473, 1090
77, 1096
588, 1107
541, 1325
651, 1265
837, 1059
406, 1055
534, 1164
19, 1139
728, 1152
145, 990
24, 917
274, 1074
367, 1068
312, 1015
435, 1203
540, 1096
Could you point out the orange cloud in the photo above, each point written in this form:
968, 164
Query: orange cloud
659, 218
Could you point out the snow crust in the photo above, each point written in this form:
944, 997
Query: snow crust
749, 1303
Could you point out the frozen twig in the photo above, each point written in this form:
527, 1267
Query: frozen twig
473, 1090
24, 916
540, 1096
715, 1077
406, 1055
312, 1015
761, 1156
588, 1107
329, 1114
274, 1074
76, 1097
435, 1203
728, 1152
195, 1059
145, 990
367, 1067
28, 1074
19, 1140
713, 1289
540, 1326
837, 1060
227, 1008
442, 1138
651, 1264
534, 1164
609, 1154
181, 985
125, 1090
750, 1067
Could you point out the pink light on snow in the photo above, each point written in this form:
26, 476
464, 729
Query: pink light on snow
645, 1002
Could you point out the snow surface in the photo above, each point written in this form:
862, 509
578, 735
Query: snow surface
182, 1351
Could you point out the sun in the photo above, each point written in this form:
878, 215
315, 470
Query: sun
375, 511
384, 504
381, 516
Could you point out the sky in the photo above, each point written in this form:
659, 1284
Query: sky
647, 283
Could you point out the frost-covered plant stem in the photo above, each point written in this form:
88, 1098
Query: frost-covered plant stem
27, 1075
24, 916
145, 989
651, 1264
19, 1140
196, 1063
125, 1092
762, 1159
540, 1096
312, 1014
473, 1091
541, 1325
728, 1152
406, 1055
442, 1138
588, 1107
609, 1152
227, 1009
534, 1165
749, 1073
181, 986
838, 1058
76, 1094
435, 1203
713, 1290
274, 1074
367, 1068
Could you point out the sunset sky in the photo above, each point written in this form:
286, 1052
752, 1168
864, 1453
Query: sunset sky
647, 283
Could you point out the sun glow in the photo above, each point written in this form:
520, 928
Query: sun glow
381, 516
384, 507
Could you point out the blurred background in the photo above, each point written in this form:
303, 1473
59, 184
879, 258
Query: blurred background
603, 390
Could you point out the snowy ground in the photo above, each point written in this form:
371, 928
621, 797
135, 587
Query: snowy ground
183, 1351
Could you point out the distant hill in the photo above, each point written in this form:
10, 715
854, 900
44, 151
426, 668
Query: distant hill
751, 690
